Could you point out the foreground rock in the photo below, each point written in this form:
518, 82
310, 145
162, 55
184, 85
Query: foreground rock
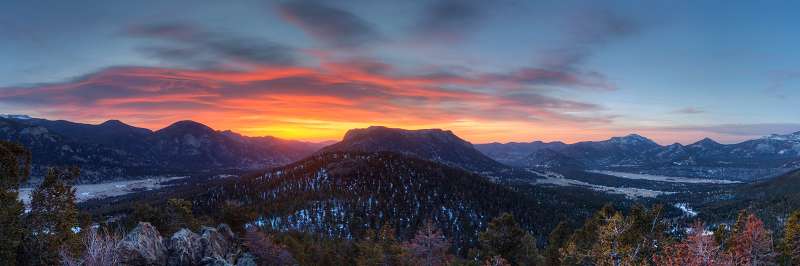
219, 242
142, 246
211, 247
184, 248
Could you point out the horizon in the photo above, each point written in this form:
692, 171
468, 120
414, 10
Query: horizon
445, 129
309, 70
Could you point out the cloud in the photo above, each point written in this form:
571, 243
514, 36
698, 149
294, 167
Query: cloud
340, 92
449, 20
190, 46
749, 130
330, 25
554, 77
585, 32
689, 111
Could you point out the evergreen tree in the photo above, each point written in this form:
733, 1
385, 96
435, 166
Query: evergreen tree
644, 235
505, 238
379, 248
791, 238
179, 215
53, 219
557, 239
609, 249
14, 168
428, 248
578, 249
721, 235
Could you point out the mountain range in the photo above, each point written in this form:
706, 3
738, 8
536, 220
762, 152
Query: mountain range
115, 150
752, 159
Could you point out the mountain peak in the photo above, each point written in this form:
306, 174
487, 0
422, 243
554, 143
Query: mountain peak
794, 137
13, 116
376, 131
114, 123
186, 126
432, 144
633, 139
706, 142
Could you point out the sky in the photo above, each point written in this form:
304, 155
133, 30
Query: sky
674, 71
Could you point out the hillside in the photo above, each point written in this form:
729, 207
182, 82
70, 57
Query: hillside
345, 193
772, 199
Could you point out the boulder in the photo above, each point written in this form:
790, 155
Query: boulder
219, 242
184, 248
142, 246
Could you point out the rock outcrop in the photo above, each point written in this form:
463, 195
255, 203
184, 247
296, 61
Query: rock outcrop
211, 247
142, 246
219, 242
184, 248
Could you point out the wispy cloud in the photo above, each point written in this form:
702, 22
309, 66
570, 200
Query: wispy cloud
328, 24
188, 45
450, 20
689, 111
585, 32
749, 130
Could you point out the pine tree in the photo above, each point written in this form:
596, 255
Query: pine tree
379, 248
753, 244
578, 249
370, 251
722, 235
179, 215
391, 248
15, 163
609, 249
504, 237
429, 247
645, 233
557, 239
52, 219
791, 238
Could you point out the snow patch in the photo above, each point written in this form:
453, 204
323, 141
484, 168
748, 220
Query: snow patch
550, 178
671, 179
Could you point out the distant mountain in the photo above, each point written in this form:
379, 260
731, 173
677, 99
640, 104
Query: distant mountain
617, 151
430, 144
548, 158
512, 153
752, 159
346, 193
115, 150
